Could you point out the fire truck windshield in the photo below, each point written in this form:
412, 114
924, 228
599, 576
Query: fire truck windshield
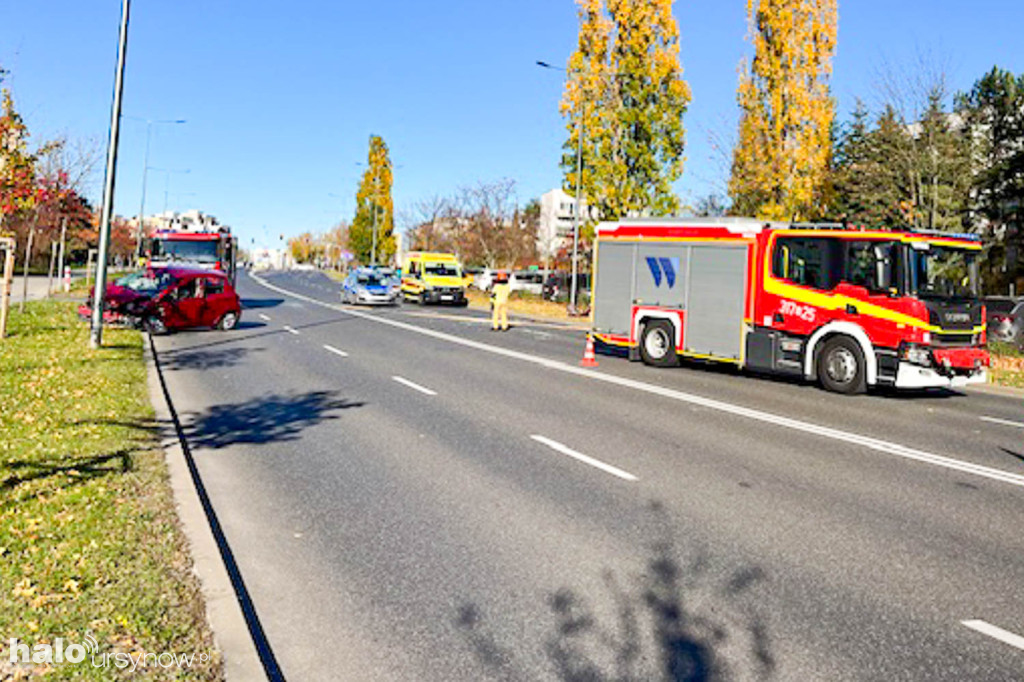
194, 251
943, 271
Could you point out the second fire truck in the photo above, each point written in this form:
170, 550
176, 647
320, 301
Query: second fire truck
215, 249
848, 308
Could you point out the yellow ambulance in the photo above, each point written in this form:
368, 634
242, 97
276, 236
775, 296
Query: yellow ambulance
433, 278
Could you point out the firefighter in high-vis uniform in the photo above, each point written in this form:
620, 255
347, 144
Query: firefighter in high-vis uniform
500, 291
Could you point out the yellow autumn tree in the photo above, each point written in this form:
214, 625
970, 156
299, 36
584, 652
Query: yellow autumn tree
371, 236
780, 168
624, 84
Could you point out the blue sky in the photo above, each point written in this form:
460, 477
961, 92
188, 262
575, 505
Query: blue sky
280, 98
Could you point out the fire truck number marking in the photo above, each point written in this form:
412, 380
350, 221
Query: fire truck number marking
804, 312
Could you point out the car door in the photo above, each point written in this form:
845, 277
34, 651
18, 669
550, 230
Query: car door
217, 300
185, 305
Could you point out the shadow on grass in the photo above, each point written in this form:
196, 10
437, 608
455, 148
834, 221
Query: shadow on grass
187, 358
673, 623
78, 469
269, 419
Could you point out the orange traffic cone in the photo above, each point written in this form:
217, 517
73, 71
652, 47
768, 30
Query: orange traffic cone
588, 355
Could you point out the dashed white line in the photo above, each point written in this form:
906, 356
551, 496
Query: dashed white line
414, 386
336, 351
596, 463
1004, 422
265, 318
994, 632
852, 438
291, 330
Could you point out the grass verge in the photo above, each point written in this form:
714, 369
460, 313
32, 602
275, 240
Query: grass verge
526, 304
1007, 365
89, 538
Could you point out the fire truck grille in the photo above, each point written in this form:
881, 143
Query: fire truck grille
953, 339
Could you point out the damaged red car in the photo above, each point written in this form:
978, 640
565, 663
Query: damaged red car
168, 298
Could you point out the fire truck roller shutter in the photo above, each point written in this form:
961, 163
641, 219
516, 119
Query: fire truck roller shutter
661, 275
716, 300
613, 295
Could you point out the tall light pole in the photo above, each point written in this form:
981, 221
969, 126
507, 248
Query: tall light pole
579, 186
167, 179
96, 327
145, 170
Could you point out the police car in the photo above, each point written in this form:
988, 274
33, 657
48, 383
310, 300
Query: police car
369, 286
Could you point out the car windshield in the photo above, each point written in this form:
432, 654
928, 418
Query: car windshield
195, 251
369, 280
145, 282
943, 271
441, 269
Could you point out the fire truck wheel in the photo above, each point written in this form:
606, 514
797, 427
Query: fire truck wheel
657, 344
227, 321
841, 366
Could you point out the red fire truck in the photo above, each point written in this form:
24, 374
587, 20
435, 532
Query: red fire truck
209, 249
849, 308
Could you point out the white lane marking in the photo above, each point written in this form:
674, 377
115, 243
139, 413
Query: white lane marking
566, 450
1006, 422
336, 351
1002, 635
290, 330
875, 444
414, 386
265, 318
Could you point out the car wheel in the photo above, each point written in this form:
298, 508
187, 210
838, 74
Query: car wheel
657, 344
228, 321
155, 326
841, 366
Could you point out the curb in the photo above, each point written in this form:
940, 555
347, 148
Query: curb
224, 612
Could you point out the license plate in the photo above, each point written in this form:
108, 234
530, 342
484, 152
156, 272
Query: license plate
446, 297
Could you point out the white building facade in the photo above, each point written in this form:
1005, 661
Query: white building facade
557, 212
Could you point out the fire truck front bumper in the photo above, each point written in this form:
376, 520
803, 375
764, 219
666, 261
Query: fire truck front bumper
910, 375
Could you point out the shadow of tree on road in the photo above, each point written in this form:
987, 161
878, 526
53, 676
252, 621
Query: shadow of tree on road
675, 623
1011, 453
269, 419
254, 303
188, 358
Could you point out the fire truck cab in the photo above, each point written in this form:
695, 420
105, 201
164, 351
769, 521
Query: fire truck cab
846, 307
213, 249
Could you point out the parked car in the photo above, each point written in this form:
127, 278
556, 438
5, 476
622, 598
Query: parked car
1005, 320
162, 299
370, 286
558, 285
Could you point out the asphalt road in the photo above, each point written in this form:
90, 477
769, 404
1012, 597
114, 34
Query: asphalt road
410, 496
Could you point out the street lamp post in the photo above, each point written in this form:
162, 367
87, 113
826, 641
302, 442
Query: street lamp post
145, 170
96, 323
167, 179
576, 211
